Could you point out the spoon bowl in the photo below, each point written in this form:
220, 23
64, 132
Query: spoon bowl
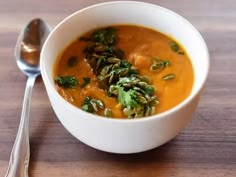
27, 55
28, 46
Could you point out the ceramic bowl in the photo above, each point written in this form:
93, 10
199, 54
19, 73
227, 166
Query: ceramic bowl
125, 135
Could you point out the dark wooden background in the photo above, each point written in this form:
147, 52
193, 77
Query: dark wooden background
207, 146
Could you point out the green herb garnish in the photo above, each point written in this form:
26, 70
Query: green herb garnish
72, 61
169, 77
125, 64
166, 63
106, 36
66, 81
133, 71
86, 82
127, 98
87, 106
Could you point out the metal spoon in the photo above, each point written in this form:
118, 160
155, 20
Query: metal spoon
27, 54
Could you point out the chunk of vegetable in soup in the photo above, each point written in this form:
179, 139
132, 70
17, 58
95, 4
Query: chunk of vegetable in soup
124, 71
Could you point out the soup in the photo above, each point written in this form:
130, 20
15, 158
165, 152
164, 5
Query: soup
124, 71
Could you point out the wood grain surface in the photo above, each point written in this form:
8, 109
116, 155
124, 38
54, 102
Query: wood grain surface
205, 148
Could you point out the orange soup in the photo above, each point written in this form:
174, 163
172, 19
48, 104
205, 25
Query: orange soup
124, 71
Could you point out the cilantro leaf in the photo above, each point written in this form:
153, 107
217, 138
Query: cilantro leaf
166, 62
106, 36
87, 105
66, 81
127, 98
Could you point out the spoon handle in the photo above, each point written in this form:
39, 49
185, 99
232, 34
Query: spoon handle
20, 155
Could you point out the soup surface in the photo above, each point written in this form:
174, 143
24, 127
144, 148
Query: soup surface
124, 71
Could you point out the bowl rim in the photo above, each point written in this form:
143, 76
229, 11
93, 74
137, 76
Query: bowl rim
161, 115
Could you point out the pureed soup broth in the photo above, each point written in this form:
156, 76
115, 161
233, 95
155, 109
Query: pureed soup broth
124, 71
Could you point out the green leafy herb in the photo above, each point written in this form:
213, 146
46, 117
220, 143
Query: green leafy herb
106, 36
169, 77
125, 64
133, 71
174, 46
87, 105
73, 60
127, 98
166, 63
66, 81
181, 53
86, 82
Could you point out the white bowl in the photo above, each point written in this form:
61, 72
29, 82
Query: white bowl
117, 135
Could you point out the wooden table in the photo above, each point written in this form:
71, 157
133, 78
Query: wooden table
207, 146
